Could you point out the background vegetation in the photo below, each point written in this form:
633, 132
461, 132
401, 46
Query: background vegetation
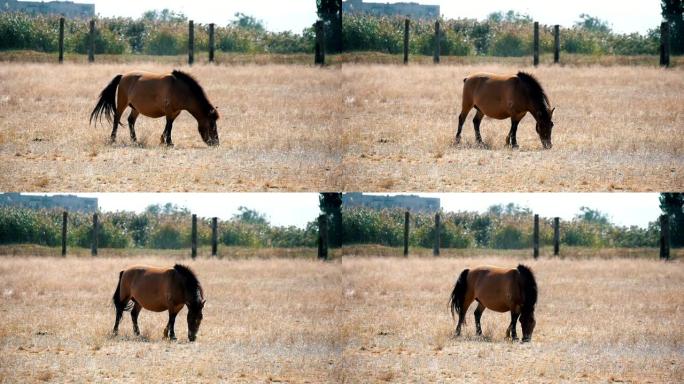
159, 227
502, 227
501, 34
156, 33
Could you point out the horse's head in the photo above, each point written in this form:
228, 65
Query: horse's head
527, 323
195, 319
207, 127
544, 126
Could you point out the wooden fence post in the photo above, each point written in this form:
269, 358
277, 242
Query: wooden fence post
406, 40
91, 42
665, 44
319, 55
664, 237
406, 233
64, 233
96, 229
435, 58
211, 42
556, 44
323, 237
193, 237
191, 42
214, 236
535, 236
536, 43
556, 236
61, 40
435, 247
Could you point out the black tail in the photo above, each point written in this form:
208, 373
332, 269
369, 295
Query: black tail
124, 306
107, 103
458, 294
529, 289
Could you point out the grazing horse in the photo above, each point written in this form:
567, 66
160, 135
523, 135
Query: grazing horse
157, 95
502, 97
158, 290
501, 290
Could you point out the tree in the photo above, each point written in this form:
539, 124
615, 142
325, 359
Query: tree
672, 205
673, 13
593, 24
331, 206
330, 11
165, 15
248, 22
250, 216
592, 216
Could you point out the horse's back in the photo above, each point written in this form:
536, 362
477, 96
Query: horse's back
495, 287
148, 285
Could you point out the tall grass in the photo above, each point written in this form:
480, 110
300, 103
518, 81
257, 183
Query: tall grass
467, 37
118, 35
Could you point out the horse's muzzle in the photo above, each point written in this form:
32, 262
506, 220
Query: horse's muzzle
213, 142
547, 144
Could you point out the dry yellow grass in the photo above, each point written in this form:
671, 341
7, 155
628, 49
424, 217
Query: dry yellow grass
613, 320
360, 320
264, 321
278, 131
358, 127
616, 128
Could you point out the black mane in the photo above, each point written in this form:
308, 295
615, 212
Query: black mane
192, 285
529, 288
195, 88
536, 91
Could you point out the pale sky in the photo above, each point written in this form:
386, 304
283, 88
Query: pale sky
277, 15
623, 209
298, 209
624, 16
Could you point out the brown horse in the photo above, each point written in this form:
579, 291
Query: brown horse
499, 289
502, 97
158, 290
157, 95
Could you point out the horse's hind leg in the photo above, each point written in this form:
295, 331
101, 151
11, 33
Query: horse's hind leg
131, 123
462, 314
119, 313
510, 332
476, 124
117, 119
134, 318
478, 315
461, 119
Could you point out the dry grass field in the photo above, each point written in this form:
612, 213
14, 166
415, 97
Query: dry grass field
616, 128
616, 320
354, 127
264, 321
278, 131
364, 319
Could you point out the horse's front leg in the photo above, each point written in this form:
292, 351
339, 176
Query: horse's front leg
510, 139
510, 332
169, 330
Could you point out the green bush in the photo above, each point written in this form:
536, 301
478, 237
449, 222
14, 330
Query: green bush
509, 237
